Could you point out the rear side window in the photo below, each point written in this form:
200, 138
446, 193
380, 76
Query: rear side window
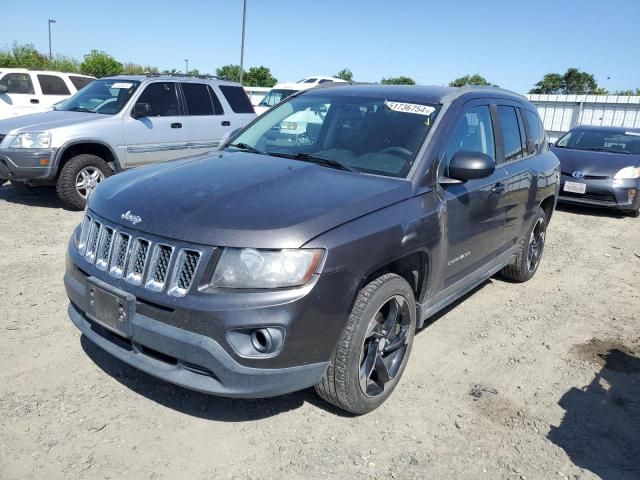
474, 133
535, 128
53, 85
198, 99
80, 82
162, 98
237, 98
511, 136
18, 83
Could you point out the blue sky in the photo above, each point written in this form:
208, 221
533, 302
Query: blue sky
511, 43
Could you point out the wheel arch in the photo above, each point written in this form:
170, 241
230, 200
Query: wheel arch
92, 147
548, 205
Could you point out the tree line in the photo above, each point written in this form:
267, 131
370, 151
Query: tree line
100, 64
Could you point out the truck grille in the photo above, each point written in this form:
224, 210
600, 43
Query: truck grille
138, 260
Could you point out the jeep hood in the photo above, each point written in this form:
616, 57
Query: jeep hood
594, 163
243, 199
41, 122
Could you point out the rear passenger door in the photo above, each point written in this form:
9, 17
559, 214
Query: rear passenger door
474, 217
161, 135
515, 159
205, 120
240, 111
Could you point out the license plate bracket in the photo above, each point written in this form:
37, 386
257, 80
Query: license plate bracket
575, 187
110, 307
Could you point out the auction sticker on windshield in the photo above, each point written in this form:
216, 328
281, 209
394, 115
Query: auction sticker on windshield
409, 108
122, 85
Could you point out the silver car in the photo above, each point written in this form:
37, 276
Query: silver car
117, 123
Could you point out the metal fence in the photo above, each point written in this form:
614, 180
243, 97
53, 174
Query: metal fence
560, 113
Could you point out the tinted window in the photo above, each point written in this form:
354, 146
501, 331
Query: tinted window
535, 128
511, 136
325, 81
53, 85
604, 140
217, 106
80, 82
18, 83
198, 99
237, 98
473, 132
162, 98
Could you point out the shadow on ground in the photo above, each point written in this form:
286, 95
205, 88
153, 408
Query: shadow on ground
590, 211
600, 431
197, 404
44, 197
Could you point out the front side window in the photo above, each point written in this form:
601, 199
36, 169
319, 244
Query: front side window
601, 140
198, 99
237, 98
275, 96
162, 98
107, 97
53, 85
511, 124
18, 83
362, 134
473, 133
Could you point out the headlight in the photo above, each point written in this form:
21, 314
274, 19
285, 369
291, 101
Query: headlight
251, 268
32, 140
627, 172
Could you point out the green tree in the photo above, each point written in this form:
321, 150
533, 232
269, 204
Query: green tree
230, 73
62, 63
345, 74
100, 64
23, 56
627, 92
572, 82
475, 79
401, 80
135, 69
259, 77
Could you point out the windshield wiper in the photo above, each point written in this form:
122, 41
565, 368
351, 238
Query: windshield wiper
80, 109
245, 147
603, 149
306, 157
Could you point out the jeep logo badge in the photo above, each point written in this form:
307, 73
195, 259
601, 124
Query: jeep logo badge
130, 217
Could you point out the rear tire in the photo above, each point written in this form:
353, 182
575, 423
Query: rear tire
374, 347
526, 264
79, 177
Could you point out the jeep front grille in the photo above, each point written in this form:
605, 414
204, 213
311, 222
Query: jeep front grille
138, 260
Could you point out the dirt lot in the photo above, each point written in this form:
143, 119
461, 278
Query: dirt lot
537, 380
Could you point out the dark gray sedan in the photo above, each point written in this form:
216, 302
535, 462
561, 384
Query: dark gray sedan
601, 167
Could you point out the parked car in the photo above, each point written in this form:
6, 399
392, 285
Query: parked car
601, 167
117, 123
25, 91
283, 90
264, 270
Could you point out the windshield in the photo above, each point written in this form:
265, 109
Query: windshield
100, 96
364, 134
602, 141
275, 96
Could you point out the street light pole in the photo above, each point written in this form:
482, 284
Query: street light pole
186, 68
50, 52
244, 22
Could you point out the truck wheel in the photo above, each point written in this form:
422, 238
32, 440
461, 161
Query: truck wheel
374, 347
78, 179
526, 263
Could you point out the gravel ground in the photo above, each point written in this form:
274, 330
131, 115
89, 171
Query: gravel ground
536, 380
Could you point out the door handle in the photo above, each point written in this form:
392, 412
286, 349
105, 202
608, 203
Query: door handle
176, 125
34, 100
498, 188
225, 123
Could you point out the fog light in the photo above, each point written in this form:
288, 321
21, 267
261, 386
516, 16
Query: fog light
632, 194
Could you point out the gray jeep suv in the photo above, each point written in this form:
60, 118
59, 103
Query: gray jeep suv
287, 261
117, 123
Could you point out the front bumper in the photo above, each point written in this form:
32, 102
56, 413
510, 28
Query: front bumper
27, 164
606, 193
185, 340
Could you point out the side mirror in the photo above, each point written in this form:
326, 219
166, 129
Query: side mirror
141, 110
3, 88
466, 165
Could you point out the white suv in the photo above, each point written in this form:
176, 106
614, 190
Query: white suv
25, 91
116, 123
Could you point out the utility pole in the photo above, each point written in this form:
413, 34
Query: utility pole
244, 22
50, 51
186, 68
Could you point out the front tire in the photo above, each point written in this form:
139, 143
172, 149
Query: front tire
78, 179
374, 347
526, 264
